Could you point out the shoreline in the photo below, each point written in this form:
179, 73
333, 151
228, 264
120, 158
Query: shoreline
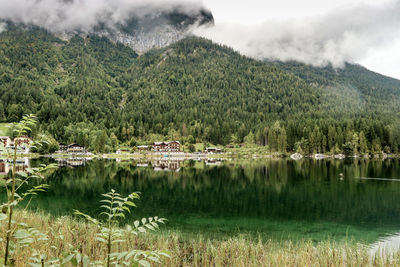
191, 156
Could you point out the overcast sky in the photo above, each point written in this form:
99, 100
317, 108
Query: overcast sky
384, 59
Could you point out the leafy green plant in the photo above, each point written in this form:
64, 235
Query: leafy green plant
110, 233
25, 237
14, 183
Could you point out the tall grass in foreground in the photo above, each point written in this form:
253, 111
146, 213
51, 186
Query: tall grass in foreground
235, 251
13, 184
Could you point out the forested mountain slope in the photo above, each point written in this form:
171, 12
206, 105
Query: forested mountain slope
213, 90
95, 92
365, 91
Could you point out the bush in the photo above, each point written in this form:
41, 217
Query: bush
348, 149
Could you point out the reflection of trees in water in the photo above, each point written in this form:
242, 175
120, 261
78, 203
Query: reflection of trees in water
306, 190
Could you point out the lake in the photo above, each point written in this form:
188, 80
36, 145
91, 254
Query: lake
271, 199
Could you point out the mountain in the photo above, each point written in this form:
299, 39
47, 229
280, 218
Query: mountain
351, 84
146, 27
90, 90
156, 30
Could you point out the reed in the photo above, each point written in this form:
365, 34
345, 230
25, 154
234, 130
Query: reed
196, 251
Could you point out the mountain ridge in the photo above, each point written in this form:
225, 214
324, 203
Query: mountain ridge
155, 28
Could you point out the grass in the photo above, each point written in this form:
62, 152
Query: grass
197, 251
4, 129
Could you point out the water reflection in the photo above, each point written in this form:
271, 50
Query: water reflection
305, 190
72, 162
388, 245
6, 165
236, 193
173, 165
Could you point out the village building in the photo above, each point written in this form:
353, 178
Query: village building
62, 148
23, 143
23, 140
5, 140
75, 149
173, 146
213, 150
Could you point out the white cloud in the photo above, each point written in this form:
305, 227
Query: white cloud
83, 15
346, 35
2, 27
257, 11
386, 61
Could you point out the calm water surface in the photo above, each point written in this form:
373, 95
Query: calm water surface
280, 199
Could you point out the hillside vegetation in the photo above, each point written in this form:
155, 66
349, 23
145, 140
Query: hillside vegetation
369, 91
98, 93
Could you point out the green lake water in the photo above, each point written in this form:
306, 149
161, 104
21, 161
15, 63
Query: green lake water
274, 199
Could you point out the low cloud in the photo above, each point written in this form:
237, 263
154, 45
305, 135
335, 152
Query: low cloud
346, 35
83, 15
3, 27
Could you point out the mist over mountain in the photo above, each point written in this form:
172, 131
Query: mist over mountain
343, 35
142, 25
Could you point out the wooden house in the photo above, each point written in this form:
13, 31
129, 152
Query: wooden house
75, 149
5, 140
173, 146
23, 141
62, 148
213, 150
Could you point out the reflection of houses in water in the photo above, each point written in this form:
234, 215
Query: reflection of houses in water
6, 165
142, 165
119, 160
213, 162
175, 164
167, 165
72, 162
